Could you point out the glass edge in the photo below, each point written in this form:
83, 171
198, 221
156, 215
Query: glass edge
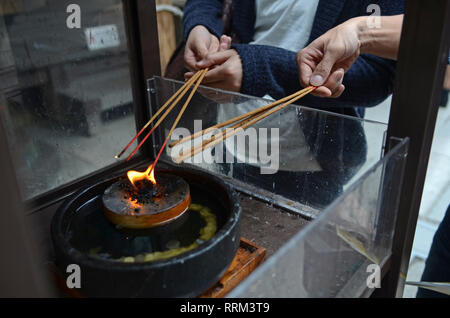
271, 100
304, 231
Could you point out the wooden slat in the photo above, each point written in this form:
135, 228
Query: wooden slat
166, 34
248, 257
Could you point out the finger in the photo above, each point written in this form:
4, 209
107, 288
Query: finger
306, 61
334, 81
306, 72
199, 48
332, 85
338, 92
220, 73
214, 46
215, 75
323, 69
225, 43
322, 91
188, 75
189, 59
215, 59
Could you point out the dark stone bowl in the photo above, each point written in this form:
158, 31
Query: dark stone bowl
186, 275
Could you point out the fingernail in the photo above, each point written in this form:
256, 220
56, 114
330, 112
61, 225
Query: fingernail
316, 80
201, 63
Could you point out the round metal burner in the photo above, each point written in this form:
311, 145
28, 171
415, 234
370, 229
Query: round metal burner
146, 206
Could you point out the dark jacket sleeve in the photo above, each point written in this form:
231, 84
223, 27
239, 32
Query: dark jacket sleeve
203, 12
274, 71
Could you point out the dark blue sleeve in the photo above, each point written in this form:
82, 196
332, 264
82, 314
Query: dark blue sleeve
203, 12
274, 71
268, 70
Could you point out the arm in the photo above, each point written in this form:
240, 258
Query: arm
274, 71
259, 70
384, 41
340, 47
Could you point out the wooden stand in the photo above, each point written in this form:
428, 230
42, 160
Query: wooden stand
248, 257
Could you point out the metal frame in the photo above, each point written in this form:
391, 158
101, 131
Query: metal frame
424, 51
17, 275
19, 278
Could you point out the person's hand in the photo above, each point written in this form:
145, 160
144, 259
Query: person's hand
226, 73
324, 62
200, 43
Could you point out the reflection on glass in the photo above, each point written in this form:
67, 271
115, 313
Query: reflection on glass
66, 92
332, 258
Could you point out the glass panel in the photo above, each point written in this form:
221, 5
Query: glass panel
66, 91
300, 156
344, 248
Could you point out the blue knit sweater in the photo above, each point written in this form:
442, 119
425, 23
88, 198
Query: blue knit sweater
271, 70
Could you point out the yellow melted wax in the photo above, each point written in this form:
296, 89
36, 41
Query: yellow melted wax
206, 233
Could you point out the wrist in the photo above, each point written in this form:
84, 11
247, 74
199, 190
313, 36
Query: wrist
364, 33
382, 40
202, 29
199, 27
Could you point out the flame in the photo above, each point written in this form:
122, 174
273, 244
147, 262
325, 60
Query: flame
135, 176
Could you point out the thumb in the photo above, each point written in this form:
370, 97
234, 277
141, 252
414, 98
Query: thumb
323, 69
214, 59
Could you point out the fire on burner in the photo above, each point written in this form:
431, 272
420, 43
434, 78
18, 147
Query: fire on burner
143, 193
139, 202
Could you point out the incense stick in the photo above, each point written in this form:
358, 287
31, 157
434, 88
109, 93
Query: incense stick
169, 109
202, 75
239, 127
183, 89
237, 118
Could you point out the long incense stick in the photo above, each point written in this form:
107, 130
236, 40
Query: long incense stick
202, 75
182, 90
237, 118
253, 114
169, 109
242, 125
